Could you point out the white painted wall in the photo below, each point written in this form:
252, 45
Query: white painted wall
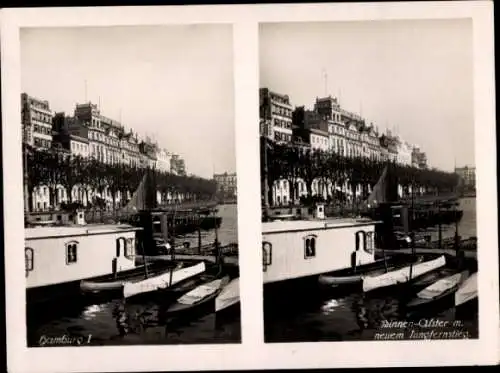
334, 247
95, 254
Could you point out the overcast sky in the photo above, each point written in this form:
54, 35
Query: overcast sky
414, 77
173, 83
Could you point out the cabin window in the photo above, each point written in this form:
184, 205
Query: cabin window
28, 260
365, 241
71, 252
310, 246
130, 248
267, 254
120, 243
369, 240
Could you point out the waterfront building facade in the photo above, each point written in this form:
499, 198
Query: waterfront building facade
163, 160
36, 121
330, 128
468, 175
275, 111
226, 184
90, 135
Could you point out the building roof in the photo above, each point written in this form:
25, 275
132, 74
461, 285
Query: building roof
318, 224
75, 230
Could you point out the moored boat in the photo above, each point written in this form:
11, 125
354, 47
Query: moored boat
354, 276
229, 297
162, 281
58, 258
115, 282
198, 298
402, 275
466, 296
438, 294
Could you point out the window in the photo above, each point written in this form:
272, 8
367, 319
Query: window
310, 246
370, 238
267, 251
71, 252
120, 243
28, 260
130, 248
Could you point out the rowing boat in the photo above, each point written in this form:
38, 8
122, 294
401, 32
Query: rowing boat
162, 281
355, 275
438, 293
229, 296
402, 275
200, 297
467, 291
114, 282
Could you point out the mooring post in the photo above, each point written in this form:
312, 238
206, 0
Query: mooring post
199, 234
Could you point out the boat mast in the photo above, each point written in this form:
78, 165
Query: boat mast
412, 233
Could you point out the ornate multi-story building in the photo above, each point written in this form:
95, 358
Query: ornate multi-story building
468, 175
87, 134
418, 158
275, 113
163, 160
226, 184
36, 120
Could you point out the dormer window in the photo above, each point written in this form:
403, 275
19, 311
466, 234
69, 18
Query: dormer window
310, 246
71, 252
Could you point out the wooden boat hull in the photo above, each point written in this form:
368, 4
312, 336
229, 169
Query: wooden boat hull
112, 283
207, 303
401, 276
162, 281
228, 313
444, 289
354, 276
229, 296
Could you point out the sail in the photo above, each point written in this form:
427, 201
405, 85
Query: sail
378, 194
385, 190
144, 198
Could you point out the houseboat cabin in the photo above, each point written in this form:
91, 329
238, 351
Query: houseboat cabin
62, 254
302, 248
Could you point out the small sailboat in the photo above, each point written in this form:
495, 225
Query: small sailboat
402, 275
438, 294
229, 297
198, 298
162, 281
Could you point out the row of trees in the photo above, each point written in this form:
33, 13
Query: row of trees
294, 163
53, 169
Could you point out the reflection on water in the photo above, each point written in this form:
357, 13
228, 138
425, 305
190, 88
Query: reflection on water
116, 322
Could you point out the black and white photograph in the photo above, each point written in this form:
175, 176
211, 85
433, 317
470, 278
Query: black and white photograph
164, 230
369, 186
129, 185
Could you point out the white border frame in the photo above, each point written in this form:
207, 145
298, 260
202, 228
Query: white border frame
252, 353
